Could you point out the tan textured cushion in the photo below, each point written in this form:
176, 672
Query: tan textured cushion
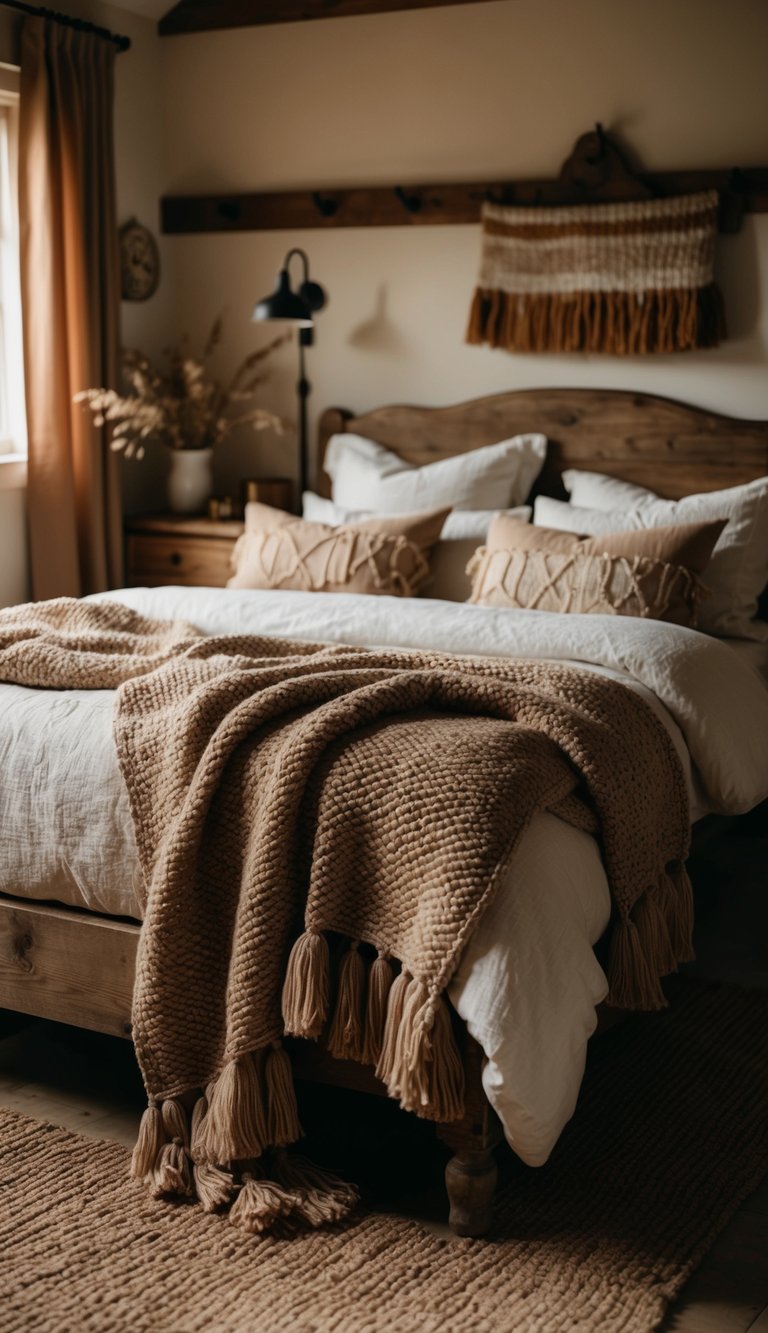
377, 555
687, 544
651, 573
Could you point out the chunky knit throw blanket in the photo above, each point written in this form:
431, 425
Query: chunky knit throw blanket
621, 278
320, 829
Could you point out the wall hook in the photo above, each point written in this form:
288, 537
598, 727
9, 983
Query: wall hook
411, 202
325, 205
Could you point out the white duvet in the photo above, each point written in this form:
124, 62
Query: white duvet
528, 982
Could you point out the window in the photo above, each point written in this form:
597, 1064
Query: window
13, 428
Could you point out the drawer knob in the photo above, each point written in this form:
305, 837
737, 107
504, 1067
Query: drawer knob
176, 558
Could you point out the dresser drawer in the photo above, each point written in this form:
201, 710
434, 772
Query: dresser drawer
154, 559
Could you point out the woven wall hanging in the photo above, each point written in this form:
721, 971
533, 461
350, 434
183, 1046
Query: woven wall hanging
625, 278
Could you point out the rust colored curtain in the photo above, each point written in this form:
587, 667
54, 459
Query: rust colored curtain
70, 305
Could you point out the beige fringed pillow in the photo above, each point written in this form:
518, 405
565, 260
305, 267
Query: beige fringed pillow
652, 574
377, 555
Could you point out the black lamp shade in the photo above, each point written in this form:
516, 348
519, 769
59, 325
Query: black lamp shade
313, 294
286, 304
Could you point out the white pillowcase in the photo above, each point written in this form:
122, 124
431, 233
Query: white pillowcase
366, 475
593, 490
460, 523
463, 531
738, 571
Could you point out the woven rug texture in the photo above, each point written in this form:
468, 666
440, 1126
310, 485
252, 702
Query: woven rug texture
671, 1133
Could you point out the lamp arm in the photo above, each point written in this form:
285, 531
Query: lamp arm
304, 260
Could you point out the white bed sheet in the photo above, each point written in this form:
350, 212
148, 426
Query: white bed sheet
754, 655
528, 981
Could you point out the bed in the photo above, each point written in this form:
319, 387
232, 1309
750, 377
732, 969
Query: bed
70, 892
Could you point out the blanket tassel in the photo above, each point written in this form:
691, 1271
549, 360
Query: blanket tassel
149, 1142
260, 1204
679, 899
305, 992
380, 980
172, 1174
632, 982
282, 1111
392, 1024
650, 917
235, 1125
322, 1197
214, 1186
346, 1036
425, 1071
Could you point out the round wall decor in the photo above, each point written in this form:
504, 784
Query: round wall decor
139, 262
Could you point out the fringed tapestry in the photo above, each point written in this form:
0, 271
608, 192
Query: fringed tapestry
620, 278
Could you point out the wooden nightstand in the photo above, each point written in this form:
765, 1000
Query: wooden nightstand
164, 548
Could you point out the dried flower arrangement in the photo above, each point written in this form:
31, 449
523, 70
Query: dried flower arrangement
185, 407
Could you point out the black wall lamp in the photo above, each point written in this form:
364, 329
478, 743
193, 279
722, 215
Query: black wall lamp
296, 307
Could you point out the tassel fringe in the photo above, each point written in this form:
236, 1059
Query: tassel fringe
652, 943
283, 1114
392, 1025
420, 1063
305, 993
235, 1125
680, 913
322, 1196
214, 1186
260, 1205
650, 918
346, 1037
149, 1142
380, 981
172, 1173
622, 323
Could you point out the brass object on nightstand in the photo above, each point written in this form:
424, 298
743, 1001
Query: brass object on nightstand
277, 491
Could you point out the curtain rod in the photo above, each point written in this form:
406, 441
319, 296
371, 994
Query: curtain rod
68, 21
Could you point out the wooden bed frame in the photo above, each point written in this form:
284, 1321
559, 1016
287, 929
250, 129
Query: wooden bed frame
76, 967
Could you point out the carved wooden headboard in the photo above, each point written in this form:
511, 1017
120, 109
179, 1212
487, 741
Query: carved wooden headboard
668, 446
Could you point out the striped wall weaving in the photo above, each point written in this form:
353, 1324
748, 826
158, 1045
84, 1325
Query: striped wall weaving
626, 279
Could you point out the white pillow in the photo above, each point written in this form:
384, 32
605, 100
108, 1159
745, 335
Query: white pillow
366, 475
738, 571
460, 523
463, 531
593, 490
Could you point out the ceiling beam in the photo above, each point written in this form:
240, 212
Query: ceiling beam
212, 15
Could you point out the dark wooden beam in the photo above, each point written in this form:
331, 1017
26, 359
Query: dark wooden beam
212, 15
386, 206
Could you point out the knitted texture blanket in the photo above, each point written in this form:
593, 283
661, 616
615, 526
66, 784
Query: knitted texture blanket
320, 829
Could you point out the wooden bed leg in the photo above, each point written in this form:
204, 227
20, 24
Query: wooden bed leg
470, 1178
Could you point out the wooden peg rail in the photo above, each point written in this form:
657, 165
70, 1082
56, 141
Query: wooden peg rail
741, 191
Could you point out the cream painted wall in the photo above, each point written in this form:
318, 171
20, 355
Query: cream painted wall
490, 90
14, 574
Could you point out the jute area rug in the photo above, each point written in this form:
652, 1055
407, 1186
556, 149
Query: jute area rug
670, 1135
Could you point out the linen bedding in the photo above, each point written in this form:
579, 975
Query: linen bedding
528, 981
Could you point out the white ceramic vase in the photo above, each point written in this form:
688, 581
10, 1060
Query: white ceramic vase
190, 481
